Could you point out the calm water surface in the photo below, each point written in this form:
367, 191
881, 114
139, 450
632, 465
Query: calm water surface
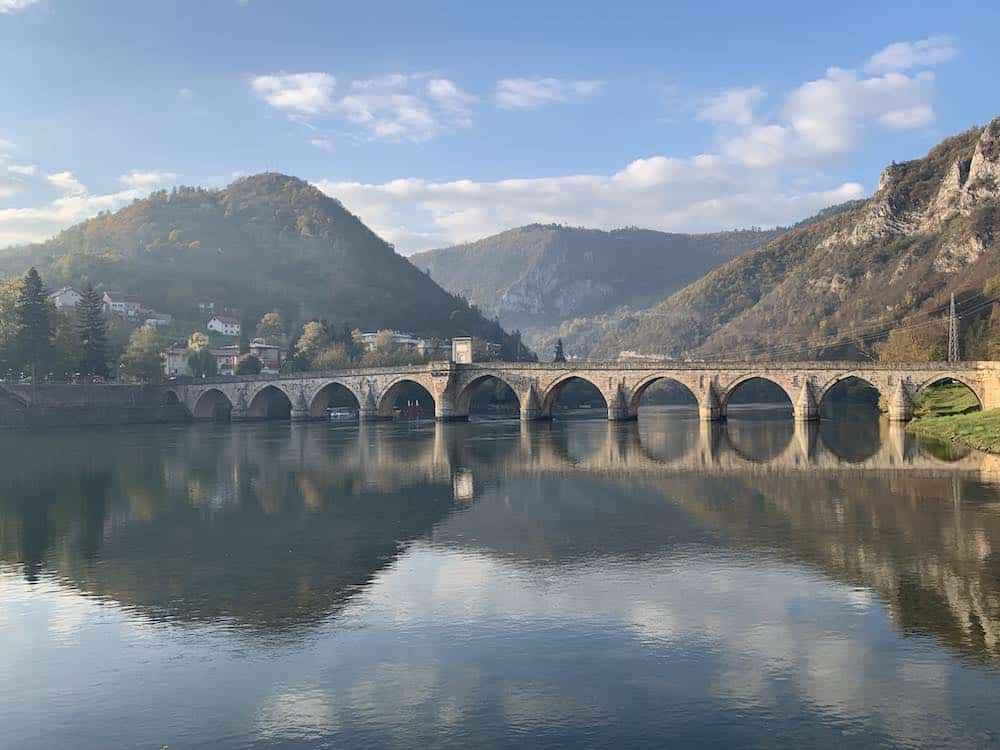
577, 584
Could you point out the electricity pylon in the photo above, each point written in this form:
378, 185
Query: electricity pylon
952, 332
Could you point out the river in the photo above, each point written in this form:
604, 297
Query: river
573, 584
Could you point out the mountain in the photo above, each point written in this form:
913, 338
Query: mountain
931, 228
555, 281
267, 241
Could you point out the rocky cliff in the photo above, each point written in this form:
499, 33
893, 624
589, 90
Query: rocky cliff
930, 229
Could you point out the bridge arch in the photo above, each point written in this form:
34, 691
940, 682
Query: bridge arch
551, 394
828, 388
397, 388
212, 405
169, 397
643, 385
333, 393
950, 377
464, 400
270, 402
735, 385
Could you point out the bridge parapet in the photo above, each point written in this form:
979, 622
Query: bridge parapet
538, 385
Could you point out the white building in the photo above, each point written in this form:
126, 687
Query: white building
224, 324
406, 341
122, 304
159, 320
65, 298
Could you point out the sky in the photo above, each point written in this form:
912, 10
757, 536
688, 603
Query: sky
440, 122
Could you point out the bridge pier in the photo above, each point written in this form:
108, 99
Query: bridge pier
900, 404
805, 408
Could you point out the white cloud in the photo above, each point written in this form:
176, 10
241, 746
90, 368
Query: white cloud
38, 223
12, 6
450, 96
826, 116
754, 177
300, 93
733, 106
8, 187
185, 94
661, 193
23, 169
66, 182
906, 55
531, 93
393, 107
151, 179
324, 143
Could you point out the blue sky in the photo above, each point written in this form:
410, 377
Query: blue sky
443, 122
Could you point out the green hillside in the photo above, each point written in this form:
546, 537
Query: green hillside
265, 242
932, 228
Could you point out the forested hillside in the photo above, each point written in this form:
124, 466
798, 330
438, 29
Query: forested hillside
554, 281
832, 289
265, 242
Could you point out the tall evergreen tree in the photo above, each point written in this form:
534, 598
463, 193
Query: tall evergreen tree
244, 336
33, 341
560, 354
92, 328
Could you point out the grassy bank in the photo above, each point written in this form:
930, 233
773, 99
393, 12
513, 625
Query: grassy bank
945, 400
950, 413
979, 430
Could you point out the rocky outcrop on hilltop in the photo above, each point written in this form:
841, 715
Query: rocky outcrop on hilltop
931, 228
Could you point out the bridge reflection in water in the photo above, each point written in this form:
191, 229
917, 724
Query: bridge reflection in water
198, 524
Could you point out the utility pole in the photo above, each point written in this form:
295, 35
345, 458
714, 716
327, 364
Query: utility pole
952, 332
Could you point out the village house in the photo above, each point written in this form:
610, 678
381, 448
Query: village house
224, 324
226, 359
268, 354
158, 320
65, 298
424, 347
122, 304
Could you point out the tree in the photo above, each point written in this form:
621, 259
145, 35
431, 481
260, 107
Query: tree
386, 343
249, 366
271, 328
333, 357
197, 342
143, 358
314, 339
67, 351
201, 362
560, 354
32, 315
92, 330
924, 343
10, 291
244, 344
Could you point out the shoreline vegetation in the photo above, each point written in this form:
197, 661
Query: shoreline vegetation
950, 413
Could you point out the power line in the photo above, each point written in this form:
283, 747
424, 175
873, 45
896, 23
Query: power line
858, 333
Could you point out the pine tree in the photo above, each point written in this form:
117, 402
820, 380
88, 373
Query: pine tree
33, 341
560, 354
244, 337
92, 328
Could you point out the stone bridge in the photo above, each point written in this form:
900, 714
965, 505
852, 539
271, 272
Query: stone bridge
450, 386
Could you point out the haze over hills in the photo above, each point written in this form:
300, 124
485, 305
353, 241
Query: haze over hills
931, 228
264, 242
554, 281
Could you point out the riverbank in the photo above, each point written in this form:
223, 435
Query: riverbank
63, 405
950, 413
979, 430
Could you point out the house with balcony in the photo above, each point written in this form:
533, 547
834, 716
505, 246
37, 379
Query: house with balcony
122, 304
65, 299
224, 324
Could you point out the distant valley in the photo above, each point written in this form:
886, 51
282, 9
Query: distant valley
552, 281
